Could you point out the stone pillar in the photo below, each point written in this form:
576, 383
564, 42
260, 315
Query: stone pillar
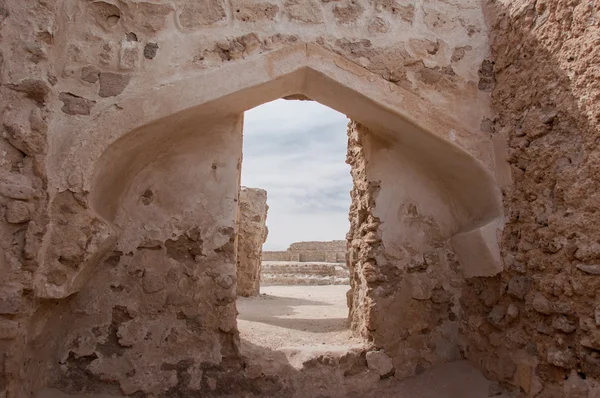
252, 233
404, 278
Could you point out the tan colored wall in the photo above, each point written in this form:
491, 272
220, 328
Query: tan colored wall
334, 245
175, 290
536, 325
331, 251
251, 234
280, 256
401, 257
122, 148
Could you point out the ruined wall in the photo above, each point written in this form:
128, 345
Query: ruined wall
332, 252
406, 281
26, 108
122, 148
251, 234
280, 256
169, 282
334, 245
536, 326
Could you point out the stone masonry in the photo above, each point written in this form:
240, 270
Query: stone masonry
252, 233
473, 145
328, 252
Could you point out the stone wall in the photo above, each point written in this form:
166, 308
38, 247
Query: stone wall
282, 255
330, 252
297, 273
251, 234
122, 147
27, 106
536, 326
408, 269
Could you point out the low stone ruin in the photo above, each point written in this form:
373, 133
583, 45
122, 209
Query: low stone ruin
329, 252
252, 233
307, 273
474, 155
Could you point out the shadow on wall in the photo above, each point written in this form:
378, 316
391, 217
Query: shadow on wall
535, 326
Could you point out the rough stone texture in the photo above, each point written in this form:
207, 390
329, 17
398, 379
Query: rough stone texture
394, 269
379, 362
251, 234
120, 277
333, 251
299, 273
543, 77
75, 105
112, 84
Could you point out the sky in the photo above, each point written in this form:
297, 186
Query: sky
296, 151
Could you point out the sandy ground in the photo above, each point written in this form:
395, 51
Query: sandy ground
296, 316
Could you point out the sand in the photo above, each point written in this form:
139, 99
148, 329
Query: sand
296, 316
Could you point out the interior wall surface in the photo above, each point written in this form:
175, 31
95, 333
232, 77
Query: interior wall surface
168, 283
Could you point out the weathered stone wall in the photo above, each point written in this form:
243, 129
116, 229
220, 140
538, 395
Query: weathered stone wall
297, 273
27, 99
334, 245
280, 256
121, 149
332, 252
404, 266
537, 326
251, 234
169, 282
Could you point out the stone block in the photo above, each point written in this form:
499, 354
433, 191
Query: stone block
18, 212
16, 186
380, 362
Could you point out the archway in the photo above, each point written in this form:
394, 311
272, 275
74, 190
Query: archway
164, 189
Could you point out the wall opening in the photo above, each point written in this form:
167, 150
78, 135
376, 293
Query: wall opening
157, 271
293, 294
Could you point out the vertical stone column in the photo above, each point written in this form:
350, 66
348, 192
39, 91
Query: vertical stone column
26, 99
252, 233
362, 241
405, 280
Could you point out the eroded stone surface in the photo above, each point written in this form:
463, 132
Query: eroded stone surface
539, 76
252, 233
118, 200
331, 251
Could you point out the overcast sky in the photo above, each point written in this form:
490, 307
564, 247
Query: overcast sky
296, 151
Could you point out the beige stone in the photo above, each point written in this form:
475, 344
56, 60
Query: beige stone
252, 233
379, 362
18, 212
473, 152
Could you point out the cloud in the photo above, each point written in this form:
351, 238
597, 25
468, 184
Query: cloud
296, 150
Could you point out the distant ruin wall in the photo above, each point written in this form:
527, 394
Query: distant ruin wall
280, 256
252, 233
330, 252
334, 245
